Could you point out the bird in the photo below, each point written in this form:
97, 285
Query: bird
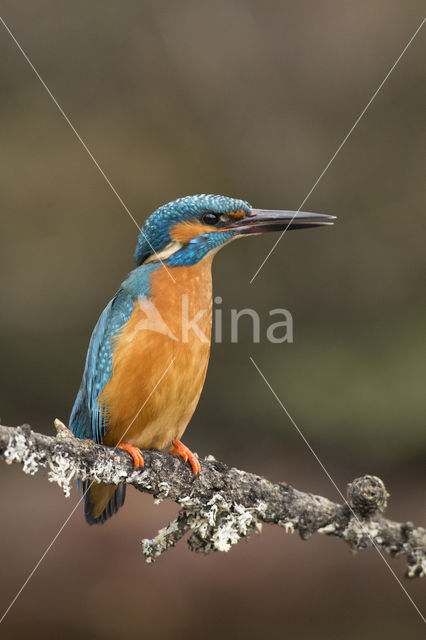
145, 370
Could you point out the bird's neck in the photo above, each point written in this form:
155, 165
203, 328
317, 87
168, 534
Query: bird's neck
187, 295
178, 294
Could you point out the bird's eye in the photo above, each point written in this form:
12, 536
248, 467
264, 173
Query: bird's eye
211, 218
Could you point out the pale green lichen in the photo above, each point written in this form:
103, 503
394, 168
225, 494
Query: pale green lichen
417, 569
18, 451
217, 518
62, 471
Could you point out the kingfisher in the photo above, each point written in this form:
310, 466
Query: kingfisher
145, 366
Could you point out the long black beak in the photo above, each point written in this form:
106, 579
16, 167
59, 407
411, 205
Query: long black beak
263, 220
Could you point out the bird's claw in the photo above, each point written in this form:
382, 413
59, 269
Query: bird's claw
134, 452
186, 454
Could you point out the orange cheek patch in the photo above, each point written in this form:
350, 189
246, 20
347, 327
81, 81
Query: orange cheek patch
237, 215
183, 232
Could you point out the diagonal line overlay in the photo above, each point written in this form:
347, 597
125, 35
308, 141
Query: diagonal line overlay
75, 507
337, 488
333, 157
84, 145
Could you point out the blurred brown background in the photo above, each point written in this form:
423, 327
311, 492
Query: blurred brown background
249, 99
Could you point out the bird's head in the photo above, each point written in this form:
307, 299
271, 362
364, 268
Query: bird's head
184, 231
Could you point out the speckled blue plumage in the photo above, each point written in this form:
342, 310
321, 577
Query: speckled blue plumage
199, 247
155, 233
87, 420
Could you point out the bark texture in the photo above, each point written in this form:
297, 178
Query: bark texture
222, 505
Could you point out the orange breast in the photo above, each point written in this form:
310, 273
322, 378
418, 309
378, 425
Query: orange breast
159, 361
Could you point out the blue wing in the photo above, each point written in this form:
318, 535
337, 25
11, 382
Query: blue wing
87, 420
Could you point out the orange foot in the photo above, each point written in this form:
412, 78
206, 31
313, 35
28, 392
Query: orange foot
134, 452
186, 454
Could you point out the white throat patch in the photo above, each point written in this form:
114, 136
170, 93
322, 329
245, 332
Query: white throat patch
165, 253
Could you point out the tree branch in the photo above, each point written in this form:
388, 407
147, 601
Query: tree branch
223, 505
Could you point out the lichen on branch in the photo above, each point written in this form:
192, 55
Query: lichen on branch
222, 505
